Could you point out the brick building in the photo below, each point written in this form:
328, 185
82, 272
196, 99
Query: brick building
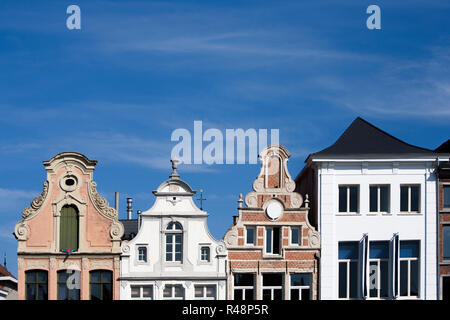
444, 224
273, 250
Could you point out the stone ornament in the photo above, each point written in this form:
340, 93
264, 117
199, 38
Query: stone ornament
36, 204
101, 203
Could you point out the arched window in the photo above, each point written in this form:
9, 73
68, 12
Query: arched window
68, 228
101, 284
174, 242
36, 285
69, 285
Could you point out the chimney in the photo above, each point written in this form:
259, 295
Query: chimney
139, 218
116, 205
129, 207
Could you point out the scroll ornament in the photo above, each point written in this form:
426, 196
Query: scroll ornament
36, 204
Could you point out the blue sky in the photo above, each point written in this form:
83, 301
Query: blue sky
137, 70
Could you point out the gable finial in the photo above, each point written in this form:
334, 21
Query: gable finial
240, 200
174, 174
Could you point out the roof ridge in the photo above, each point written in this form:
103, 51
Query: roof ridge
390, 135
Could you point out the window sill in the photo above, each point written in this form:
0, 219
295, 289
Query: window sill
409, 214
379, 214
273, 256
348, 214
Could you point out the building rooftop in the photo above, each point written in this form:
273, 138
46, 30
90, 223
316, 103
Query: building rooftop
5, 273
130, 228
363, 138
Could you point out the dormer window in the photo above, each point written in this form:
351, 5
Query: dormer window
174, 242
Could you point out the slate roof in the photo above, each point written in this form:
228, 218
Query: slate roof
363, 138
445, 147
130, 228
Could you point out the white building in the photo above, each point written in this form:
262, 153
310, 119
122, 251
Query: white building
173, 255
374, 202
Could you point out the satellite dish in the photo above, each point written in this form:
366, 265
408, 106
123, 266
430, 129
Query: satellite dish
274, 210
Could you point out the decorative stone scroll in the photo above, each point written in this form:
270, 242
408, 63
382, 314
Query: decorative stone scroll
36, 204
101, 203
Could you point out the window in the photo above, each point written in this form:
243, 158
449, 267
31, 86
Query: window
378, 269
409, 268
348, 199
36, 285
273, 240
173, 291
244, 286
69, 285
446, 242
301, 286
68, 228
272, 286
295, 236
142, 292
100, 284
379, 199
348, 270
142, 254
204, 254
409, 198
174, 242
446, 199
250, 235
207, 292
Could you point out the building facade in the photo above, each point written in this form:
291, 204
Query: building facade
444, 225
173, 256
374, 200
273, 250
8, 284
69, 237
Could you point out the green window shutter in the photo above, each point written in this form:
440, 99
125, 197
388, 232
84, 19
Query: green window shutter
68, 232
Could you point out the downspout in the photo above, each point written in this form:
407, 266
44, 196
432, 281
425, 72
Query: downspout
438, 282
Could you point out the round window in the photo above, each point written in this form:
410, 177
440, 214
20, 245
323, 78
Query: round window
274, 210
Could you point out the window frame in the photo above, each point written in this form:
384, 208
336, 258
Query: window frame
204, 291
378, 204
139, 247
36, 283
271, 253
347, 262
409, 260
244, 288
378, 262
172, 291
141, 291
444, 226
299, 229
208, 248
419, 205
253, 243
445, 186
101, 283
300, 288
173, 232
272, 288
348, 193
58, 282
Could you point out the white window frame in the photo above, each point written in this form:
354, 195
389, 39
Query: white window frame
300, 289
409, 198
243, 288
299, 228
204, 287
173, 233
348, 186
444, 208
378, 186
201, 254
378, 273
347, 262
271, 246
254, 235
141, 291
172, 291
272, 289
139, 255
409, 259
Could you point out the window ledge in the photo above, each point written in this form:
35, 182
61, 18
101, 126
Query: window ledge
409, 214
349, 214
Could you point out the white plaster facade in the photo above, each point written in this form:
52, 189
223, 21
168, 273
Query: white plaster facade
336, 227
173, 208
